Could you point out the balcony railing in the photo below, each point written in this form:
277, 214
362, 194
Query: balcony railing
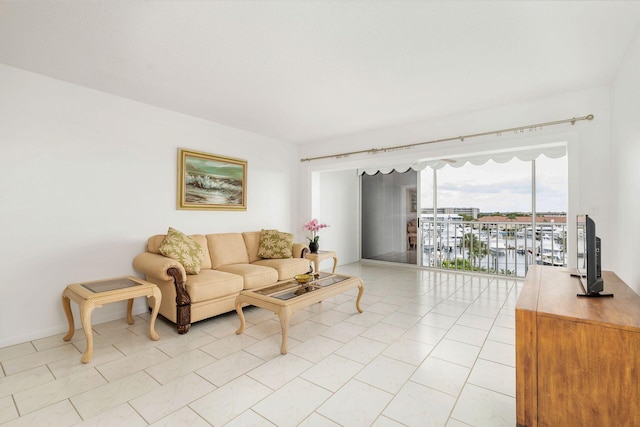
502, 248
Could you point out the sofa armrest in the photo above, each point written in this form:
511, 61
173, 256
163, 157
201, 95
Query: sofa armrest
300, 250
165, 268
157, 265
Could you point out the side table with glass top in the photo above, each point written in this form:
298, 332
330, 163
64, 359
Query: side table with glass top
90, 295
319, 256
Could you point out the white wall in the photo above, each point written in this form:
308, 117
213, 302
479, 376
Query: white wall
87, 177
625, 113
589, 148
339, 188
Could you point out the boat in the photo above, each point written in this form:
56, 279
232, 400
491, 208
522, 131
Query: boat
550, 253
449, 243
557, 260
497, 248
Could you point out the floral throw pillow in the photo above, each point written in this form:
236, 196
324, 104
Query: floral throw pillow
183, 249
275, 244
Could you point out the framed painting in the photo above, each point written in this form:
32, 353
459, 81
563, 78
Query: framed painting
210, 182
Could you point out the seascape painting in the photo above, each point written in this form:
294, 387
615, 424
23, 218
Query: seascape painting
207, 181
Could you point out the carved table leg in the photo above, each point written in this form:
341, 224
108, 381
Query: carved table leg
86, 308
129, 309
154, 301
66, 304
360, 292
285, 316
240, 315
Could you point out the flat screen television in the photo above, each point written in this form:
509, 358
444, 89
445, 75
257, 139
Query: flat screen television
588, 258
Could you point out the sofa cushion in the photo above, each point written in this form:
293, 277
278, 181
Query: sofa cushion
286, 268
253, 276
182, 248
212, 284
275, 244
252, 242
154, 242
227, 249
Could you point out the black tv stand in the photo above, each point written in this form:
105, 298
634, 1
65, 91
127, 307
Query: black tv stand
595, 295
588, 294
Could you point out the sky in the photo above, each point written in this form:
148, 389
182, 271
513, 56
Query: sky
500, 187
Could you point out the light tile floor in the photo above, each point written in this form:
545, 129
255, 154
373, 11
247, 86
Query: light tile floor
431, 349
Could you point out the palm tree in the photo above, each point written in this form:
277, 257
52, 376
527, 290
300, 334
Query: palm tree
476, 249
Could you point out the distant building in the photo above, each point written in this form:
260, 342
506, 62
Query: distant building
455, 214
441, 217
556, 219
472, 212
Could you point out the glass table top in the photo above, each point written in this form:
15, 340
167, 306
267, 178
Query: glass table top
109, 285
291, 288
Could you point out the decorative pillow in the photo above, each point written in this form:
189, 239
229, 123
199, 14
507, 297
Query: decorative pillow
275, 244
183, 249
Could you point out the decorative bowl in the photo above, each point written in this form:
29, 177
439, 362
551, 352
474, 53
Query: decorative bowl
302, 278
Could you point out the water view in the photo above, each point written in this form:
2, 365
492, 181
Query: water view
504, 248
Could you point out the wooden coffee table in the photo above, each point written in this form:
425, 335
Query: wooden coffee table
286, 298
90, 295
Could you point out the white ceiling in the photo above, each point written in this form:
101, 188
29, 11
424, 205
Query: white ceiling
306, 70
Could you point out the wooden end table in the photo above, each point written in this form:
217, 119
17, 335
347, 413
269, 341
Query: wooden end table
286, 298
90, 295
319, 256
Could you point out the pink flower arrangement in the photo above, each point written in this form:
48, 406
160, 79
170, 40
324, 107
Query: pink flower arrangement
314, 226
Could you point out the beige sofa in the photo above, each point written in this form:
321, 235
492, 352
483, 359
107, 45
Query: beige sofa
230, 264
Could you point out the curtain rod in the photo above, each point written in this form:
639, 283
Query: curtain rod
461, 138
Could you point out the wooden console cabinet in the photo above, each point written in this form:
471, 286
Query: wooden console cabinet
577, 359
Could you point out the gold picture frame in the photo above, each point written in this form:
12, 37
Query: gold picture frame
211, 182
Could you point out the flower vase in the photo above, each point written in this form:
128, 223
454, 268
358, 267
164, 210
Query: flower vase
313, 247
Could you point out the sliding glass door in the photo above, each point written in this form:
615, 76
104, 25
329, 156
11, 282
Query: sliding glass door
494, 217
477, 207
